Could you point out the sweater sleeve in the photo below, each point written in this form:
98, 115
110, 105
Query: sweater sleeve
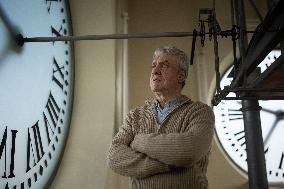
126, 161
180, 149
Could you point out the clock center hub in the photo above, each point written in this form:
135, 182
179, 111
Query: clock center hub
280, 115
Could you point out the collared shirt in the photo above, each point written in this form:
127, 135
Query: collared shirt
168, 107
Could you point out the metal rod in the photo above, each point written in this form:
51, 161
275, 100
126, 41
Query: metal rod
110, 36
240, 21
193, 46
217, 72
270, 4
234, 41
279, 89
23, 40
255, 98
256, 10
217, 99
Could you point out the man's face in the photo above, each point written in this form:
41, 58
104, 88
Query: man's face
166, 75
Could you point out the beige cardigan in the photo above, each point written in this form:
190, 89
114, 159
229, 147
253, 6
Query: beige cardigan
172, 156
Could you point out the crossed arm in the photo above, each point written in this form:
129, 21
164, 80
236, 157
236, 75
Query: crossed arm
149, 154
128, 162
180, 149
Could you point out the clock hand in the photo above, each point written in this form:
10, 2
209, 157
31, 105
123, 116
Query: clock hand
269, 111
7, 22
13, 33
270, 131
279, 116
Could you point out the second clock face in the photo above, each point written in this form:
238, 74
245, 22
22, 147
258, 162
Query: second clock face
230, 129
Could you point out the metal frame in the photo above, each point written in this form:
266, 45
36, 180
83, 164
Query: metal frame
267, 36
244, 70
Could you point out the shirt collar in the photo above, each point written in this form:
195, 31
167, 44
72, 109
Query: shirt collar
170, 103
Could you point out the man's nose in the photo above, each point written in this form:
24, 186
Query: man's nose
156, 70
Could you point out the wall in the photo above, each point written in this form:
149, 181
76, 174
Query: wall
83, 164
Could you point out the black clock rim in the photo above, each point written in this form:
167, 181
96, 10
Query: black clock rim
71, 99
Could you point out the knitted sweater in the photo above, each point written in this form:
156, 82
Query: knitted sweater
172, 156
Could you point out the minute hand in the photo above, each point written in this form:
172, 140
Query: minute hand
7, 22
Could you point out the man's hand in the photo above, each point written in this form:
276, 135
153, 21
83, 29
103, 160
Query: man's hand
136, 144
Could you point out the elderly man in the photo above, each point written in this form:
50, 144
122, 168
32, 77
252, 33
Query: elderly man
165, 143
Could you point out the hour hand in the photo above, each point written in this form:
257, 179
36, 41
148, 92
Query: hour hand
12, 33
12, 30
270, 131
7, 22
269, 111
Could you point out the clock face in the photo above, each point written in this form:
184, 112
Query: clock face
231, 135
36, 91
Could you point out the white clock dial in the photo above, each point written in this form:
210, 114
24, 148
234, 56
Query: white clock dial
36, 91
230, 128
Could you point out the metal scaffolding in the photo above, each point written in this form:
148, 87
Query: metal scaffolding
250, 85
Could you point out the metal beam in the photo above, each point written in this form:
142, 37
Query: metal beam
256, 10
103, 37
262, 42
254, 145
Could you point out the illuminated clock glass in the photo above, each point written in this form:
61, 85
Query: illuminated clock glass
36, 91
230, 129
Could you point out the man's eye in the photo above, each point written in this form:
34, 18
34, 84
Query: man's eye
164, 65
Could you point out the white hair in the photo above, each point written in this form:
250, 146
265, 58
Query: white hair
181, 56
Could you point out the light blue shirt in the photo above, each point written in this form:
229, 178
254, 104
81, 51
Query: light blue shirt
169, 106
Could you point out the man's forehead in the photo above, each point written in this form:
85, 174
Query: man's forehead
164, 57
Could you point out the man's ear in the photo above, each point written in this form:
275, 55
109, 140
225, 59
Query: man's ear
181, 76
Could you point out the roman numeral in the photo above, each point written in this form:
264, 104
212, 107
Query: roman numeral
281, 161
53, 109
235, 114
3, 146
49, 4
58, 78
240, 135
35, 150
51, 117
34, 146
56, 32
48, 128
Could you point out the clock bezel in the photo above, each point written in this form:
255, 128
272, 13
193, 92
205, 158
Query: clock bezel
44, 179
225, 66
72, 86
